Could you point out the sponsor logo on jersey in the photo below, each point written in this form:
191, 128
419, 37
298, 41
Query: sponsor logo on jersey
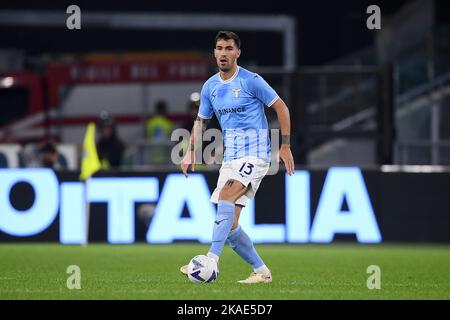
225, 111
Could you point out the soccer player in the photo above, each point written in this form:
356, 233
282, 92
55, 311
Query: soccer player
237, 97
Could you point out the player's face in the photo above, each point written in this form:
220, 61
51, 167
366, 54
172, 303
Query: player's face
226, 53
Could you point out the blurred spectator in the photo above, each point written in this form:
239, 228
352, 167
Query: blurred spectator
50, 158
159, 127
158, 131
109, 146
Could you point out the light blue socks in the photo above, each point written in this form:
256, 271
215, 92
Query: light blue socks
222, 226
238, 240
241, 243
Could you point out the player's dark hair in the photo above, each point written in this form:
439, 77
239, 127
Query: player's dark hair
228, 35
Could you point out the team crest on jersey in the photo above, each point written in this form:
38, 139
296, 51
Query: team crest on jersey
236, 92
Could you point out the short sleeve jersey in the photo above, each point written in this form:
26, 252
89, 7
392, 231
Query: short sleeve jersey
238, 104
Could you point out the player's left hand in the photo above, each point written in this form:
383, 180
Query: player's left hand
285, 155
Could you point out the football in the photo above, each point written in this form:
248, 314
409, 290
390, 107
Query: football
202, 269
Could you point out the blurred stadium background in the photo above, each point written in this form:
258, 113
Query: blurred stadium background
370, 111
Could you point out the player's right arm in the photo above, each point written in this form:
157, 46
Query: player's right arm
205, 113
195, 144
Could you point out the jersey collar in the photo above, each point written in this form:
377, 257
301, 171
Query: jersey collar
231, 79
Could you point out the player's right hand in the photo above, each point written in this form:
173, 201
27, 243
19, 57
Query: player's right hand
188, 160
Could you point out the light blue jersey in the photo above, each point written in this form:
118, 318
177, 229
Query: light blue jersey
238, 104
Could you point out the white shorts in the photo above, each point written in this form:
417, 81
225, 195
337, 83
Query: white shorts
247, 170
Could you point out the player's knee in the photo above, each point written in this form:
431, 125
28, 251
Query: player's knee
226, 194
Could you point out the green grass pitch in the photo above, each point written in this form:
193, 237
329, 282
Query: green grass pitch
142, 271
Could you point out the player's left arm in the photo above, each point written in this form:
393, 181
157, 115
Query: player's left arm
284, 120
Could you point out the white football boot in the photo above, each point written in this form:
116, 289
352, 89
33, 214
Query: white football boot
184, 269
257, 278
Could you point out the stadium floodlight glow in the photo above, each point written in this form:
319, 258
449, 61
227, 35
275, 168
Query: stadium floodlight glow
195, 97
7, 82
44, 208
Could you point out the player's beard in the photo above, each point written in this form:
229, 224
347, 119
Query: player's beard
227, 67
